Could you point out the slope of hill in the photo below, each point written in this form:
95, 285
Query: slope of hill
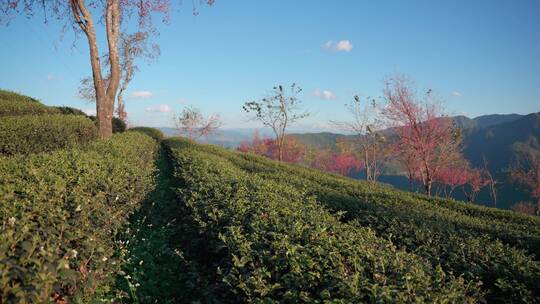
489, 136
269, 216
323, 140
495, 142
485, 121
136, 220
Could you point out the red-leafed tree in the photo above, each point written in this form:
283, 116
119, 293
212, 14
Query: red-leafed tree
257, 145
476, 181
427, 141
526, 170
85, 16
341, 163
292, 151
344, 164
452, 177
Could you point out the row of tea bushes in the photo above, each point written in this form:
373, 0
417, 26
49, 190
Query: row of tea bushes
60, 212
273, 243
43, 133
13, 104
17, 108
152, 132
515, 229
464, 240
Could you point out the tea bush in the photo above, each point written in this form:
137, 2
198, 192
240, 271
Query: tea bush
18, 107
9, 95
494, 247
270, 242
152, 132
43, 133
60, 212
69, 111
118, 125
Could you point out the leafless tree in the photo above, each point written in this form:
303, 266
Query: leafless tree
81, 16
191, 123
132, 46
366, 125
278, 112
490, 180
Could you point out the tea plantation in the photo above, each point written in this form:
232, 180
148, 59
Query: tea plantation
143, 219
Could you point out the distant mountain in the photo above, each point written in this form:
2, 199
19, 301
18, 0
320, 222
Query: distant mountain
322, 140
483, 121
489, 136
495, 142
464, 122
494, 119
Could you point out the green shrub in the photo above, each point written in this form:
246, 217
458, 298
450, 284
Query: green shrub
69, 111
60, 213
17, 107
152, 132
8, 95
463, 239
269, 242
43, 133
118, 125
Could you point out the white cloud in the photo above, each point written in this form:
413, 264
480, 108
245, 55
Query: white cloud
324, 94
456, 94
90, 112
141, 94
340, 46
160, 108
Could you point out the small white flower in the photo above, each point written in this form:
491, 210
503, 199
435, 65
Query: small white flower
104, 259
141, 262
74, 253
78, 209
12, 221
137, 284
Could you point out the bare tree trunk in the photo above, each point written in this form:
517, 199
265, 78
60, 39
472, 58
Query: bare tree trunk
366, 160
104, 96
280, 148
427, 187
428, 182
410, 179
120, 106
112, 23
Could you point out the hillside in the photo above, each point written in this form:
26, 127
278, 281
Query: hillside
489, 136
495, 142
240, 198
140, 219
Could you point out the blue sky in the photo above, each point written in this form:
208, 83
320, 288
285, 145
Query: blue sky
480, 57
